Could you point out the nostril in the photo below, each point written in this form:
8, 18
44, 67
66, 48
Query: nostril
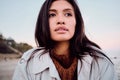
60, 22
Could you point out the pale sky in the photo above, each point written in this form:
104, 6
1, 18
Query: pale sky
101, 17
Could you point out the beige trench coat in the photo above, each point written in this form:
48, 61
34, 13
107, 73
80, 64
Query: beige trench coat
41, 67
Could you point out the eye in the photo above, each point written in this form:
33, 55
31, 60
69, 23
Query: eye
68, 14
52, 14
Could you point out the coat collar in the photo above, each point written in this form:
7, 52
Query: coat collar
43, 62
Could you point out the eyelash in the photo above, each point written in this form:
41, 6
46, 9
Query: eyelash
52, 15
66, 14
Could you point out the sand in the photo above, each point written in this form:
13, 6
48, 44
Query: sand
7, 68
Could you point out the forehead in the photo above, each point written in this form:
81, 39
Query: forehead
61, 4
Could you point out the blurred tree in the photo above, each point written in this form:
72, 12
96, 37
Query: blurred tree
22, 47
1, 37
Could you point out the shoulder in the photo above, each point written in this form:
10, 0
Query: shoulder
30, 53
23, 68
101, 56
100, 61
97, 55
102, 66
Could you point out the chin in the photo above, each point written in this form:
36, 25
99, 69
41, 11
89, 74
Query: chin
62, 40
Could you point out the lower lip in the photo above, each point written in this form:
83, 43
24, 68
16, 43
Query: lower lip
61, 31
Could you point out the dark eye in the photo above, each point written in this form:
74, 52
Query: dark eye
52, 15
68, 14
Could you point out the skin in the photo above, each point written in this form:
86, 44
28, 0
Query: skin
62, 25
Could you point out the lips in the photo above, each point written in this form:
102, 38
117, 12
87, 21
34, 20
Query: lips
61, 29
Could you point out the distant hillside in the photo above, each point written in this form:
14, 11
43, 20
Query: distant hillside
4, 48
9, 46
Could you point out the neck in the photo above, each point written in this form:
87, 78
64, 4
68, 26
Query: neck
62, 48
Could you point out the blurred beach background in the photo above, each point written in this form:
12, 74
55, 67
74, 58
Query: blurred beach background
18, 20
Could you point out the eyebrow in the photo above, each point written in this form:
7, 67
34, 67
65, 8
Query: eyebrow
67, 9
53, 10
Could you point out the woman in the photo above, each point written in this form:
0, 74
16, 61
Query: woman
64, 52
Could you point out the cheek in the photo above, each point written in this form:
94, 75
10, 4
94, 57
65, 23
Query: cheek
51, 26
72, 25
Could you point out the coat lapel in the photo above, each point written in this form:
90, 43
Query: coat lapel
43, 62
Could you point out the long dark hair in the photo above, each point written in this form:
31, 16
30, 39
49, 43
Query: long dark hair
80, 45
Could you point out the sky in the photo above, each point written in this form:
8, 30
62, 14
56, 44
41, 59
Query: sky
101, 19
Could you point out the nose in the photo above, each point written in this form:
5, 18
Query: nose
60, 20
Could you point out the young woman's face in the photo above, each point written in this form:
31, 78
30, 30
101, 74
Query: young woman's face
61, 21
